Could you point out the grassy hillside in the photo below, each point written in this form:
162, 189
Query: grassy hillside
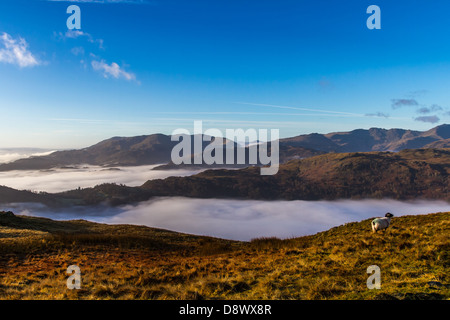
136, 262
409, 174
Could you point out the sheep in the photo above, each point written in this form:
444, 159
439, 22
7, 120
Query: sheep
381, 223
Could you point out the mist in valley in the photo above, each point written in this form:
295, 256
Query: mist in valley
238, 219
224, 218
85, 176
12, 154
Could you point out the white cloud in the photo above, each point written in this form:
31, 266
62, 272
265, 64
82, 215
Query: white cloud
75, 34
247, 219
12, 154
239, 219
72, 177
112, 70
15, 51
78, 51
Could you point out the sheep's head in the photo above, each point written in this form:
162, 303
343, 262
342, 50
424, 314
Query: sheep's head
389, 215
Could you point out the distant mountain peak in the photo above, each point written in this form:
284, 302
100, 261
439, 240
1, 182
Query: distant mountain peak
156, 148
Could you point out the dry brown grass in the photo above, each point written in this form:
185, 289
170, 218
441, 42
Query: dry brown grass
131, 262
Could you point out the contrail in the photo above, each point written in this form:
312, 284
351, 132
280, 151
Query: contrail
303, 109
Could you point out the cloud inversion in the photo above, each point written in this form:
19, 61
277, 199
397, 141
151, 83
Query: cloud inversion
57, 180
239, 219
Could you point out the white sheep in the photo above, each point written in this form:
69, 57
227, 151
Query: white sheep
381, 223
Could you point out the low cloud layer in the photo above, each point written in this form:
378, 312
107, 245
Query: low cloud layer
57, 180
241, 219
12, 154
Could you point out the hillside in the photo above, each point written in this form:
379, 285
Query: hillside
408, 174
374, 139
286, 153
137, 262
439, 144
10, 195
157, 148
140, 150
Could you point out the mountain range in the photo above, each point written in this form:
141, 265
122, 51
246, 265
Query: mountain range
156, 148
374, 139
405, 175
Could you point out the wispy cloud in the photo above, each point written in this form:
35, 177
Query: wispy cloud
424, 110
78, 120
250, 113
432, 108
430, 119
112, 70
325, 84
398, 103
75, 34
417, 93
15, 51
77, 51
377, 114
303, 109
436, 107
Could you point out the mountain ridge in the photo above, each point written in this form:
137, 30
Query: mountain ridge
156, 148
405, 175
408, 174
373, 139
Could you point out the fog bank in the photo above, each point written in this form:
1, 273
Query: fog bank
84, 176
12, 154
241, 219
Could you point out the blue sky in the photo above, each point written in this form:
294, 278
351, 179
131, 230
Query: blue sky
141, 67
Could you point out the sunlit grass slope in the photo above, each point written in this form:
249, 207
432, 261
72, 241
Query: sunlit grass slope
137, 262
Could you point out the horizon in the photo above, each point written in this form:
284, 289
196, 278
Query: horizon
38, 150
146, 67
